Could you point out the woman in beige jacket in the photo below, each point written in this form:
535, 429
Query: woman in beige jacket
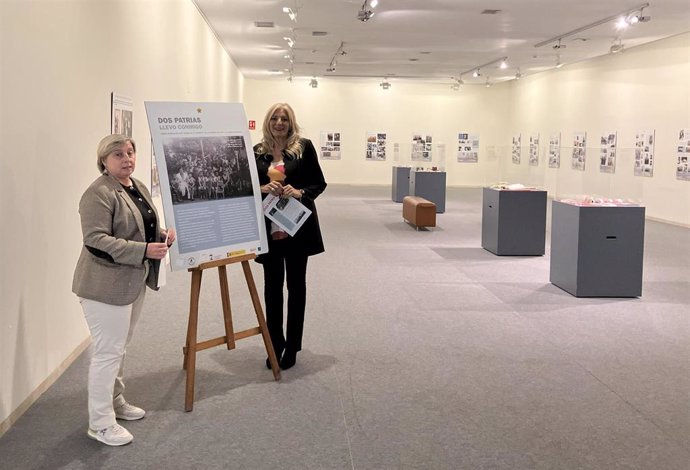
123, 246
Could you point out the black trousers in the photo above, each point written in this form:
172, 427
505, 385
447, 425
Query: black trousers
278, 264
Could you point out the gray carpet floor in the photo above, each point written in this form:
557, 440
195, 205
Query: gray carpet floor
421, 351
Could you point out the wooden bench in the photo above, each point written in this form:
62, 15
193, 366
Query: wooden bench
419, 212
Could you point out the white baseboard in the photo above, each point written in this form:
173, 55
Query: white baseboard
45, 385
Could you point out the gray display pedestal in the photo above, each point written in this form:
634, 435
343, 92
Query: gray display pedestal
401, 183
514, 222
597, 251
431, 185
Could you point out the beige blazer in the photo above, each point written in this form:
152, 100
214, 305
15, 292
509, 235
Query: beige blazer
111, 222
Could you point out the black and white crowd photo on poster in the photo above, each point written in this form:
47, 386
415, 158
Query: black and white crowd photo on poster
207, 168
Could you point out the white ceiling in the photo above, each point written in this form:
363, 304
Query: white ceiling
429, 40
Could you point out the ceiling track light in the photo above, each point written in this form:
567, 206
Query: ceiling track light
290, 41
339, 52
290, 13
476, 71
488, 83
504, 64
314, 83
518, 74
366, 12
625, 14
385, 84
616, 47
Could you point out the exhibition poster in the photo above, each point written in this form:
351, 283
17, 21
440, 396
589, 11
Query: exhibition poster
330, 145
209, 183
468, 148
121, 112
421, 148
579, 151
376, 146
644, 153
682, 168
516, 149
555, 150
607, 153
534, 150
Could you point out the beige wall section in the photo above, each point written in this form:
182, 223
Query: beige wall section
643, 88
60, 60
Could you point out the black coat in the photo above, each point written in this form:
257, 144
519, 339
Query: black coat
302, 172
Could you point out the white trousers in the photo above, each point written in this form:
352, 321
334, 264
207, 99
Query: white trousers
111, 330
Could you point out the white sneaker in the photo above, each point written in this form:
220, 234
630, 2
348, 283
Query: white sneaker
114, 435
129, 412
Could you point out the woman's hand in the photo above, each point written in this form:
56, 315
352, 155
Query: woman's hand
169, 236
274, 187
289, 191
156, 250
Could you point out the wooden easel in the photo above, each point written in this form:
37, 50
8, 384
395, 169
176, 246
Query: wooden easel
192, 346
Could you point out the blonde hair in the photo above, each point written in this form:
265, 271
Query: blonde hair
292, 145
108, 144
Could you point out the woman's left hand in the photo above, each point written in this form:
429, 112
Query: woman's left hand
289, 191
169, 236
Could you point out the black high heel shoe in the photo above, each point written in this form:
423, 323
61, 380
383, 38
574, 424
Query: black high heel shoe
288, 360
268, 361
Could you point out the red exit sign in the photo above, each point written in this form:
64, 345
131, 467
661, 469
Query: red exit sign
252, 125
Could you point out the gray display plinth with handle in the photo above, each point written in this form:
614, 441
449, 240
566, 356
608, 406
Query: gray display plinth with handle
431, 185
401, 183
597, 251
514, 222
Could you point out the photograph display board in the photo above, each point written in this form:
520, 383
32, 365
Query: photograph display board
516, 149
683, 166
208, 179
607, 154
421, 148
468, 148
330, 145
121, 112
555, 150
579, 151
534, 150
644, 153
376, 146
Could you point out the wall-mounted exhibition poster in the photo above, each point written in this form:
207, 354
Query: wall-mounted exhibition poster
555, 150
683, 167
209, 185
644, 153
330, 145
121, 111
534, 150
468, 148
421, 147
607, 153
579, 151
517, 148
376, 146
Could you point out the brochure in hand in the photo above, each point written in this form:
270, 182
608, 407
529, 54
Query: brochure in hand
288, 213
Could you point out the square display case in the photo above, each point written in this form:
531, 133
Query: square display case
514, 222
401, 183
597, 251
431, 185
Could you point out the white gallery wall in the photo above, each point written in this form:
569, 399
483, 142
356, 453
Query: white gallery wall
645, 88
60, 60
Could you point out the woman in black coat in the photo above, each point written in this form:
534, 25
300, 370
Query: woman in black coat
288, 167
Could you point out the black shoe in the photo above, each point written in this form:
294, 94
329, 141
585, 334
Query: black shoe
288, 360
268, 361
